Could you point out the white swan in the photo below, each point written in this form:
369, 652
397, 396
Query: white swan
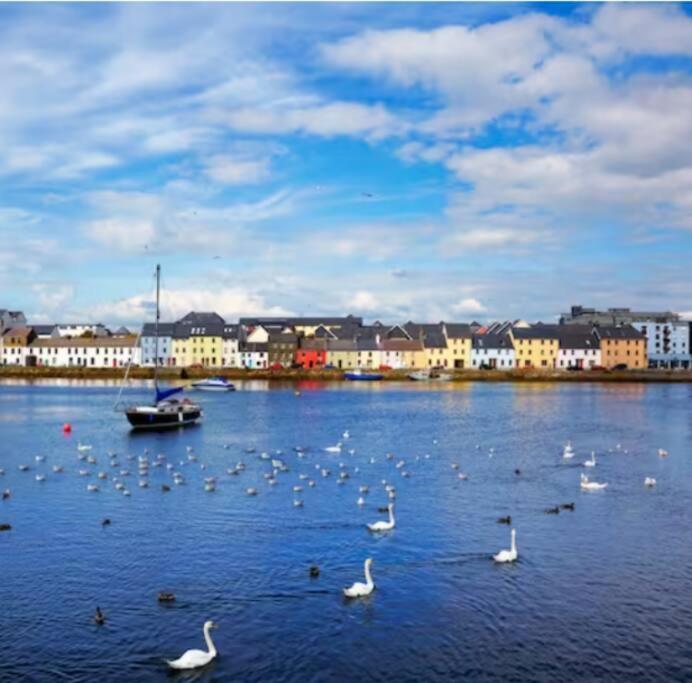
649, 481
346, 434
568, 451
587, 485
384, 526
193, 659
83, 447
358, 589
592, 461
510, 555
334, 449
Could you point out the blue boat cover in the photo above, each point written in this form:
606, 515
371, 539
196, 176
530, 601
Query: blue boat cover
161, 394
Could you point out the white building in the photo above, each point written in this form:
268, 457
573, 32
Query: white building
147, 344
254, 356
230, 352
667, 342
493, 350
73, 330
578, 347
98, 352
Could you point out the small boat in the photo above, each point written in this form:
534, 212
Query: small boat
429, 375
165, 412
213, 384
362, 376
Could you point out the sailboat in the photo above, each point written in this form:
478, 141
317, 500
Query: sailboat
165, 412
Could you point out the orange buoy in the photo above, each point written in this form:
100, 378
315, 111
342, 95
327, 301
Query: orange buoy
67, 428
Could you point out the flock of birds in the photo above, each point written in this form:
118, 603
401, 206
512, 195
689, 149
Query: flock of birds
277, 467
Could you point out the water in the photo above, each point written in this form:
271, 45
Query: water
602, 593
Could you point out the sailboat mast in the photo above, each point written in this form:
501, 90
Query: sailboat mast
156, 326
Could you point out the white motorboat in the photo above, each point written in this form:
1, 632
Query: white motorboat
213, 384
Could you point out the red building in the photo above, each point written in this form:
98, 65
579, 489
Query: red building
312, 353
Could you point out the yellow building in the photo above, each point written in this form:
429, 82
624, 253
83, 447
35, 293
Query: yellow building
536, 346
198, 340
342, 353
622, 345
459, 344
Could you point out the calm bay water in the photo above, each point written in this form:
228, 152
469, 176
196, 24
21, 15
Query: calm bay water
602, 593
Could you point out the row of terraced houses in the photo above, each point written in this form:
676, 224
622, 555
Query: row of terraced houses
584, 338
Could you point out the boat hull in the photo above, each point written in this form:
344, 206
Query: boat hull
207, 387
140, 419
362, 377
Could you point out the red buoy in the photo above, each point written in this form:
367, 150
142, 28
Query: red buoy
67, 428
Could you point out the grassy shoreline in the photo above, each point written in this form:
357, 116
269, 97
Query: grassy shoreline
532, 375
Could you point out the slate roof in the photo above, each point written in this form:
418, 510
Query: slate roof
342, 345
367, 344
277, 337
490, 340
618, 332
186, 330
202, 318
402, 345
535, 332
254, 347
458, 330
165, 329
577, 337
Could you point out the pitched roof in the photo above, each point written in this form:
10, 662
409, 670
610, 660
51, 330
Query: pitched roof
577, 337
491, 340
202, 318
254, 347
539, 331
165, 329
342, 345
458, 330
618, 332
402, 345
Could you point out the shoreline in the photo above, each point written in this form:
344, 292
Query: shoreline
172, 374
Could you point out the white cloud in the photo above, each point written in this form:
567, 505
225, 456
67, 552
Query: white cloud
236, 170
229, 302
53, 296
468, 306
124, 234
363, 301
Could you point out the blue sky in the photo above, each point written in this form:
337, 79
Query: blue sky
424, 161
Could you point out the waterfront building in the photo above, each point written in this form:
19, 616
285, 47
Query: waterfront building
148, 344
370, 355
581, 315
535, 346
15, 345
579, 347
342, 353
311, 353
437, 353
667, 342
254, 355
198, 340
403, 353
230, 346
88, 352
301, 325
492, 348
282, 347
621, 345
458, 337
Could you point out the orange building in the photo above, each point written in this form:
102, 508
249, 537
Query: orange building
622, 345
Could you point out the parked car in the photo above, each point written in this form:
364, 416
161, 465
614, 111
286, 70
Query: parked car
620, 366
329, 366
276, 366
196, 366
296, 366
597, 368
574, 368
384, 368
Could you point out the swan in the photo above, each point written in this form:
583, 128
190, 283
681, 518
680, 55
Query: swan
193, 659
334, 449
587, 485
346, 435
358, 589
83, 447
384, 526
568, 451
592, 462
649, 481
510, 555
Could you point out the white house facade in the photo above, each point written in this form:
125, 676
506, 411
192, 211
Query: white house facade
148, 344
492, 351
102, 352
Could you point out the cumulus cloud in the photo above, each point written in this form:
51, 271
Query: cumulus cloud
468, 306
233, 170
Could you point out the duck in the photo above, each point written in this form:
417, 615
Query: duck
93, 488
106, 522
358, 589
567, 506
165, 487
5, 527
297, 503
587, 485
517, 471
251, 491
6, 494
193, 659
504, 520
334, 449
592, 461
649, 481
553, 511
165, 597
99, 618
382, 525
510, 555
314, 571
40, 477
462, 476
